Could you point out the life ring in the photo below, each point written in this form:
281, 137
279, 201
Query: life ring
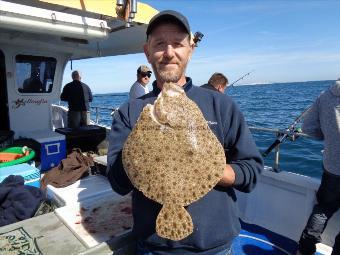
15, 155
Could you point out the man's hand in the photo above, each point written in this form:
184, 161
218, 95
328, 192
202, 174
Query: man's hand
228, 177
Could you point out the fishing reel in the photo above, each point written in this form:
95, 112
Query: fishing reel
295, 134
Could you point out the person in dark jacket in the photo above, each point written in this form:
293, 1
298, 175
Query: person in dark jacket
217, 82
78, 95
215, 216
33, 84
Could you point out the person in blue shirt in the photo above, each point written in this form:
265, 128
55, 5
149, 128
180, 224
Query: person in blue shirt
140, 88
215, 216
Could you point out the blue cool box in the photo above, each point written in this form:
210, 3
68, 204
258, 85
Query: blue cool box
52, 148
30, 173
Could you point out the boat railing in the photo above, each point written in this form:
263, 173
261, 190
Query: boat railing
278, 133
97, 114
59, 114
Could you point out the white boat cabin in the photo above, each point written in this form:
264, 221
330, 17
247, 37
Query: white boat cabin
38, 39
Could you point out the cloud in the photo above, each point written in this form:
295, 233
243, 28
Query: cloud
273, 67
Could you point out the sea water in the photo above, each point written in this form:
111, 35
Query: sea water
265, 106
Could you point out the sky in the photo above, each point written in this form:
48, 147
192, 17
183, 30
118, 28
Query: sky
280, 41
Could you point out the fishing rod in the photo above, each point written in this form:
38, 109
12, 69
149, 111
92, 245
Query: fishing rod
232, 84
289, 132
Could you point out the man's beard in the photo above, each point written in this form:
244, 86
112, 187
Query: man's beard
170, 75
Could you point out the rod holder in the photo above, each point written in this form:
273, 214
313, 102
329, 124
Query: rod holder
276, 166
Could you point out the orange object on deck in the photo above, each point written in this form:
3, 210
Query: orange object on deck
6, 156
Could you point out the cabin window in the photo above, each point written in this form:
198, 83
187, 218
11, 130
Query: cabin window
35, 74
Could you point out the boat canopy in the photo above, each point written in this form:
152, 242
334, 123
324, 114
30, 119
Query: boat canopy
79, 28
38, 38
93, 8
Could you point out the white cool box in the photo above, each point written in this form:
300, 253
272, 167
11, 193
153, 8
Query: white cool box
52, 147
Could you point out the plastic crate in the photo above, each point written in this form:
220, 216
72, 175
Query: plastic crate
30, 173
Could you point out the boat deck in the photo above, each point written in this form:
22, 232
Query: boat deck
257, 240
254, 240
76, 238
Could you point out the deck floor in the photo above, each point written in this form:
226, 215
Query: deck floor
255, 240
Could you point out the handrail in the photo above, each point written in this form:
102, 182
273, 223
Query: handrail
96, 108
275, 130
278, 133
104, 108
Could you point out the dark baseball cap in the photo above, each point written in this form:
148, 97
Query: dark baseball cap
144, 69
168, 16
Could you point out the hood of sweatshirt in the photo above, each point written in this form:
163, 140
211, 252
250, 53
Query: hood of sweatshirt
335, 89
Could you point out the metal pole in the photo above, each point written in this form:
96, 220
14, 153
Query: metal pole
277, 159
120, 2
97, 115
133, 6
277, 156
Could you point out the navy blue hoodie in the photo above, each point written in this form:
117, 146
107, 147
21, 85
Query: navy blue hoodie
215, 216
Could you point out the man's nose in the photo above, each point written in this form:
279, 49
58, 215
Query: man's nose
169, 51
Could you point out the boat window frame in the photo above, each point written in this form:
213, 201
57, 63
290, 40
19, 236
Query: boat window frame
44, 58
5, 122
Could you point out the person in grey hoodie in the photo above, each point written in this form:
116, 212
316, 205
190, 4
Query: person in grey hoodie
322, 121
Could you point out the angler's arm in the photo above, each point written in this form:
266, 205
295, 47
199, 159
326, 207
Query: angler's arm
90, 94
311, 122
115, 172
64, 94
243, 158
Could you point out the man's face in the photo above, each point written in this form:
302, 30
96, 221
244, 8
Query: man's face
168, 50
144, 78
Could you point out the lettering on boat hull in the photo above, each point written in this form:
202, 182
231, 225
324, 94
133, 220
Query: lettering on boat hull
22, 102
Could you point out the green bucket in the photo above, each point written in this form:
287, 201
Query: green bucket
15, 151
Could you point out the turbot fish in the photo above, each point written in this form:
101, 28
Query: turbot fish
173, 158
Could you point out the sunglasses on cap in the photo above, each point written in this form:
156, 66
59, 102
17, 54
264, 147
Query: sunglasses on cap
145, 74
